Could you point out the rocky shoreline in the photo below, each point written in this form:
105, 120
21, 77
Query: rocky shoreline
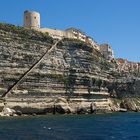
62, 106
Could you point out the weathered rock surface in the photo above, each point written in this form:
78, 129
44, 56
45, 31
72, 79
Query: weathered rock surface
73, 78
129, 104
7, 112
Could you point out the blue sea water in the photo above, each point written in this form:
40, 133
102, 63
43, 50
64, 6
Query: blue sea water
117, 126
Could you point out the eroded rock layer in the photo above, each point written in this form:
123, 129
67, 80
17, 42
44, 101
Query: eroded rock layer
73, 78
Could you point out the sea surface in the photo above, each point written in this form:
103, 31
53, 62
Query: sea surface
117, 126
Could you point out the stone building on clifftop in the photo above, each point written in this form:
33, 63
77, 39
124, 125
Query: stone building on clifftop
127, 66
107, 51
32, 21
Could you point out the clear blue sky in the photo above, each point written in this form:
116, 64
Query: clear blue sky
116, 22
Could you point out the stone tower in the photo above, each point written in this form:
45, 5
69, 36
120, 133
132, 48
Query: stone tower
32, 20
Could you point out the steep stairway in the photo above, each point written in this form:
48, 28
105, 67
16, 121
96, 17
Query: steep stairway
30, 69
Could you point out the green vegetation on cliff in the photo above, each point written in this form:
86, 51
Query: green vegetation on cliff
26, 33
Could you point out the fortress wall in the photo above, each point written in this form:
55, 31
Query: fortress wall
32, 21
57, 33
70, 35
67, 34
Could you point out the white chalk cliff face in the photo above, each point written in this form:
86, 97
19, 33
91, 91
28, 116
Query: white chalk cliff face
72, 78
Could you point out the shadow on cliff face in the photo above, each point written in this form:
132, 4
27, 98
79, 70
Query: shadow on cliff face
71, 82
92, 84
123, 89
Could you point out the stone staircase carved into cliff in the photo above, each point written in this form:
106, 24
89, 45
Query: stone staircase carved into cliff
30, 69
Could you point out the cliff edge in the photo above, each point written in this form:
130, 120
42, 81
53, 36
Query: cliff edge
72, 78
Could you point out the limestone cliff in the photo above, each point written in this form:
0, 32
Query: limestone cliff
72, 78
